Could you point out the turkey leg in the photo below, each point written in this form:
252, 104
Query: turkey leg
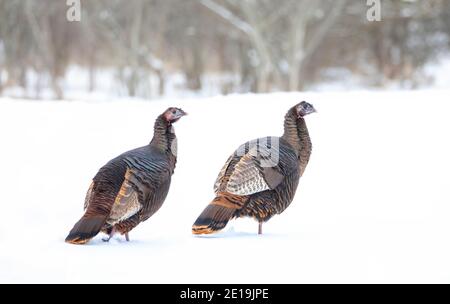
111, 234
127, 237
260, 228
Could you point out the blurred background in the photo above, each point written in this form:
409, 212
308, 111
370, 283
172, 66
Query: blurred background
372, 207
172, 48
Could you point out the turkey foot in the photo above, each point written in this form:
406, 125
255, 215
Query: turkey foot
111, 234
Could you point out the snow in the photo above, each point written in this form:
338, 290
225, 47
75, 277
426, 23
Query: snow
373, 205
75, 84
108, 86
438, 72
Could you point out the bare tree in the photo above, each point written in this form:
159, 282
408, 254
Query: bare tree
249, 45
258, 21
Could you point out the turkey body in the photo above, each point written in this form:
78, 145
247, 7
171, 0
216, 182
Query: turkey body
129, 188
260, 178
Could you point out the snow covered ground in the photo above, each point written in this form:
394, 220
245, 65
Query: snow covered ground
373, 205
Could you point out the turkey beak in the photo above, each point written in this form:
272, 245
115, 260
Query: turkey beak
181, 113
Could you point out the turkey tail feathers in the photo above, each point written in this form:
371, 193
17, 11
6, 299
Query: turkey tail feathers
85, 229
212, 219
215, 216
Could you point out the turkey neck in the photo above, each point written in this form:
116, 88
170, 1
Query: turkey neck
164, 135
297, 135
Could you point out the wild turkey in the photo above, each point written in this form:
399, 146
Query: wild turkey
260, 178
131, 187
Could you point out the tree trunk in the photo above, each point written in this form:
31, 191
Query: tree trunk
195, 67
302, 49
296, 53
162, 83
298, 24
23, 77
262, 85
92, 73
1, 81
247, 80
294, 75
38, 86
57, 88
132, 84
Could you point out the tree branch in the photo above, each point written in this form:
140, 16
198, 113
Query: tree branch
277, 15
325, 26
228, 16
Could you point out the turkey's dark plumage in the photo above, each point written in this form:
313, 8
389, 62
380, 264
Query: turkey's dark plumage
260, 178
131, 187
